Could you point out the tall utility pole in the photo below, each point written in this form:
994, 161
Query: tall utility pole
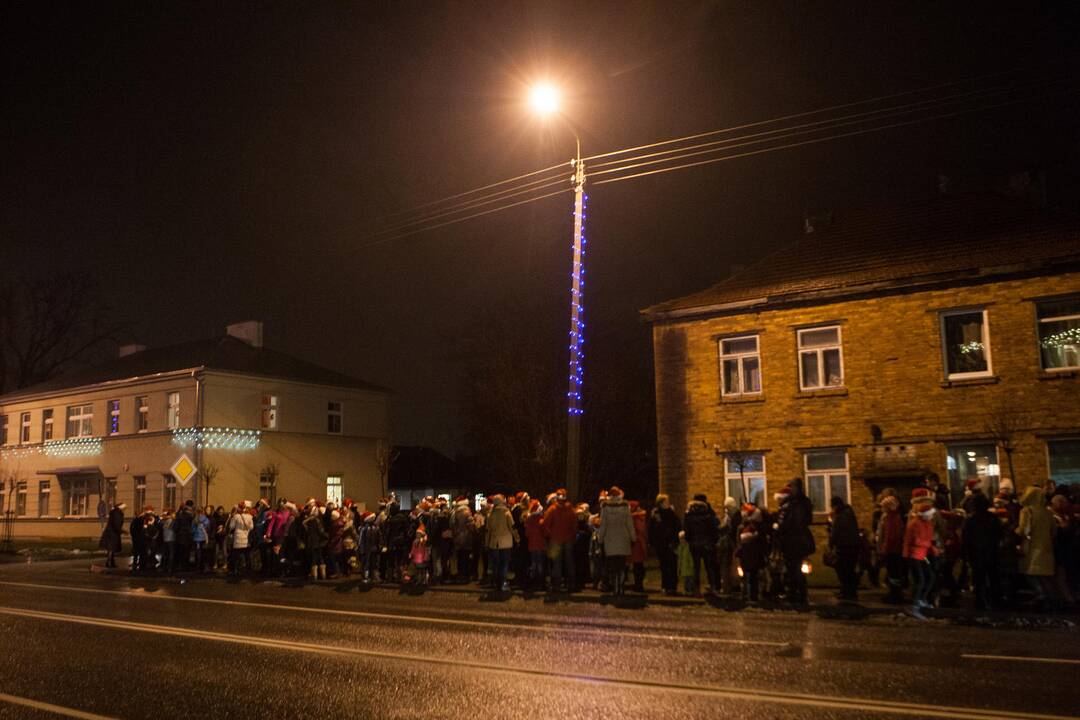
577, 334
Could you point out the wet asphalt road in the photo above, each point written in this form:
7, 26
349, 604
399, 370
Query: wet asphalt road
140, 648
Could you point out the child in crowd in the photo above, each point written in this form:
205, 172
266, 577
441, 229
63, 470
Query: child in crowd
686, 565
420, 557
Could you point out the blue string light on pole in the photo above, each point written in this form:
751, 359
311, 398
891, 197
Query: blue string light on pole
577, 330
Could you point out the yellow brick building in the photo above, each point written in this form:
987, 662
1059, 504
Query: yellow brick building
879, 349
272, 425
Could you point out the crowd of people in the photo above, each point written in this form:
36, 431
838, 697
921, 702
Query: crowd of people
927, 548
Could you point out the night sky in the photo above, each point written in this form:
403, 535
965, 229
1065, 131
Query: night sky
218, 162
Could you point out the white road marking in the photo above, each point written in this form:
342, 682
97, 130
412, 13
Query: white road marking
594, 632
49, 707
1013, 658
733, 693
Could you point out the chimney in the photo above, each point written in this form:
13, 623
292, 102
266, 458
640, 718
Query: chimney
131, 349
250, 332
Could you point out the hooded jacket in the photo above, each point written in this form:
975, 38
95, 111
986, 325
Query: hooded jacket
793, 523
616, 531
664, 527
1036, 530
701, 524
560, 522
501, 533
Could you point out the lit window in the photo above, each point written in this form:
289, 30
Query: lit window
740, 366
174, 410
20, 498
114, 417
1064, 461
333, 489
966, 344
1059, 334
826, 477
745, 471
3, 429
139, 487
968, 462
142, 413
268, 487
333, 417
46, 424
80, 421
168, 494
269, 412
78, 498
44, 490
821, 361
24, 429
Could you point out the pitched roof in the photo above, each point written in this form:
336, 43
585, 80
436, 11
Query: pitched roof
952, 237
225, 353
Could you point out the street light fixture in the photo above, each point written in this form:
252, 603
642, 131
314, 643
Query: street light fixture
544, 99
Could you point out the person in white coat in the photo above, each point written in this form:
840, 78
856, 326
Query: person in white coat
617, 536
239, 531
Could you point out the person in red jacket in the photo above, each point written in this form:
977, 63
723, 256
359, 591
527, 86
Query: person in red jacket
534, 536
639, 549
890, 547
560, 525
919, 550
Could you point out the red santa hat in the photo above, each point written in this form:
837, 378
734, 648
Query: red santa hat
634, 504
972, 483
748, 508
921, 496
783, 494
534, 505
615, 491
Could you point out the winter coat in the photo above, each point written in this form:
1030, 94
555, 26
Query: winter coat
919, 538
261, 525
315, 535
701, 524
751, 552
219, 525
1036, 530
114, 527
686, 561
168, 534
278, 526
336, 542
240, 526
396, 530
501, 533
560, 522
200, 529
419, 554
641, 532
891, 533
369, 542
534, 532
981, 536
138, 534
182, 525
616, 531
664, 527
844, 531
461, 525
793, 524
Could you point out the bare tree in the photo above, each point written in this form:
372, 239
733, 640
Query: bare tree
46, 326
734, 447
1003, 422
208, 473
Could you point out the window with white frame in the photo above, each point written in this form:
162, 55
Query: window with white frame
740, 366
110, 492
24, 428
745, 470
168, 493
821, 358
965, 337
333, 417
80, 421
173, 417
44, 491
139, 492
114, 417
46, 424
142, 413
20, 498
1064, 457
333, 489
3, 429
1059, 334
77, 501
269, 412
978, 461
826, 477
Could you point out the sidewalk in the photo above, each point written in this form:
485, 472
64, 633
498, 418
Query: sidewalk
822, 600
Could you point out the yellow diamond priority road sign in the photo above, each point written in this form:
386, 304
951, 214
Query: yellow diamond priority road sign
183, 469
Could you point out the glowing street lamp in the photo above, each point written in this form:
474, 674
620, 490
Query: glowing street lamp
544, 99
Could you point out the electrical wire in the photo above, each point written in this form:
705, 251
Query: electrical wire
821, 140
806, 113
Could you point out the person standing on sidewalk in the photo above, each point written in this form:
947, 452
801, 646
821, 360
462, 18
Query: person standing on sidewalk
702, 532
794, 538
981, 538
239, 531
919, 550
461, 531
561, 527
890, 547
640, 549
663, 534
111, 541
616, 535
502, 536
534, 536
1037, 546
182, 532
844, 544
